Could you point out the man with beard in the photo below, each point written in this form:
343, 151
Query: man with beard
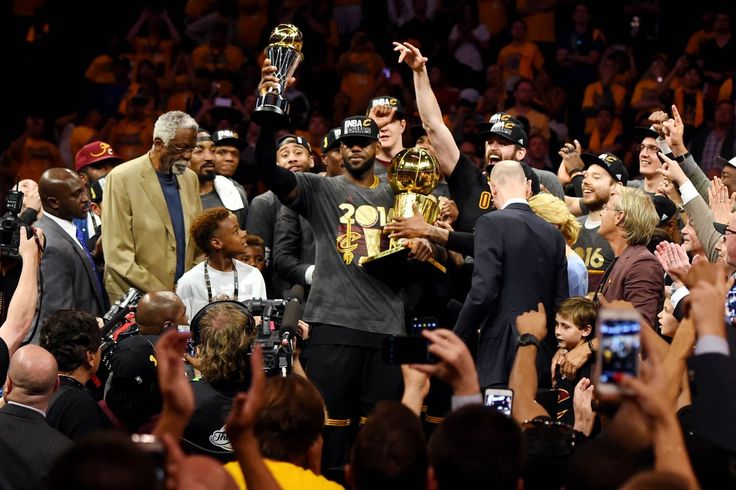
148, 205
350, 311
603, 173
215, 190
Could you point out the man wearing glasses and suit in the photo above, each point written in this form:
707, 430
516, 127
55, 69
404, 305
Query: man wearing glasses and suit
148, 206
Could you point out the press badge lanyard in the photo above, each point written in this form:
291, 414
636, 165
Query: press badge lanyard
209, 286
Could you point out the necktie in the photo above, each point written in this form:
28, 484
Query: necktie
82, 237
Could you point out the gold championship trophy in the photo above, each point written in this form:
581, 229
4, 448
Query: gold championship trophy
413, 175
285, 52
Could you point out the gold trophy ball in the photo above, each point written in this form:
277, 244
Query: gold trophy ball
414, 170
287, 35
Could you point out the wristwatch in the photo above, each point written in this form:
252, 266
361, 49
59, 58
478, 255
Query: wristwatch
527, 339
682, 157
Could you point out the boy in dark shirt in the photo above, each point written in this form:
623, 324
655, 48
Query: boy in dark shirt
574, 323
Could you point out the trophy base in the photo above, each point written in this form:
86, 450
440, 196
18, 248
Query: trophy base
394, 267
271, 110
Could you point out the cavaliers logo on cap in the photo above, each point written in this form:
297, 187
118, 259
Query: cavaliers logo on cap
367, 123
104, 148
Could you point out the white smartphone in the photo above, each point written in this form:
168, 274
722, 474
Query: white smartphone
499, 398
618, 331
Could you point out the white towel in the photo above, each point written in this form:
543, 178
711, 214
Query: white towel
228, 193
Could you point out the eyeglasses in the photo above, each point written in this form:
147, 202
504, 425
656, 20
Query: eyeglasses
606, 207
728, 231
649, 148
182, 149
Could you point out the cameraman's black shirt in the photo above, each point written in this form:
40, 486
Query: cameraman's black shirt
74, 412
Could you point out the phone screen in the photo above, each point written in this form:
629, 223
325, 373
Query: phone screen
500, 399
619, 349
418, 324
387, 72
407, 350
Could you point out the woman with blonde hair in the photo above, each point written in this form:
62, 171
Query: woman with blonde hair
554, 211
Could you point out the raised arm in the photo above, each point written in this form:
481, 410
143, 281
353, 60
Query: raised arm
22, 306
674, 130
446, 149
523, 377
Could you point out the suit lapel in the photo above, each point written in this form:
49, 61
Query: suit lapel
152, 188
45, 224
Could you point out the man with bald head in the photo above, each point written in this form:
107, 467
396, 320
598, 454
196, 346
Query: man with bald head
69, 277
158, 311
27, 444
519, 262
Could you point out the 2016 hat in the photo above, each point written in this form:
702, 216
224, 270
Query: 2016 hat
228, 137
507, 127
93, 153
297, 140
388, 100
330, 139
610, 163
362, 126
666, 209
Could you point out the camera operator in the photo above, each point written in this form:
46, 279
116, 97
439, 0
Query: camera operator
22, 307
223, 360
73, 338
158, 311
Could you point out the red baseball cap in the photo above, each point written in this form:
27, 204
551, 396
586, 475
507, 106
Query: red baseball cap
95, 152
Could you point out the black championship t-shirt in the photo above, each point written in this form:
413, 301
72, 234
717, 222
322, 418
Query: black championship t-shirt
347, 221
595, 252
469, 189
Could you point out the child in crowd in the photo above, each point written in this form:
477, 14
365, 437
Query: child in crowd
574, 323
255, 252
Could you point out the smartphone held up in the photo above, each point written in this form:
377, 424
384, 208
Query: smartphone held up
619, 334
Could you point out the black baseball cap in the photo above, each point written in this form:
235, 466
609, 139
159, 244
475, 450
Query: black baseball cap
228, 137
388, 100
666, 209
362, 126
507, 127
330, 139
641, 132
297, 140
610, 163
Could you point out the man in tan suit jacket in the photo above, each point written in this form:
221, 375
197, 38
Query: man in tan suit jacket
148, 206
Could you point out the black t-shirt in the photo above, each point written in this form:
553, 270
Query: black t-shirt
566, 392
205, 433
4, 361
74, 412
595, 251
469, 189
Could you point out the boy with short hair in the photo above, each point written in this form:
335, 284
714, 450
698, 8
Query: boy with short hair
255, 252
574, 325
217, 233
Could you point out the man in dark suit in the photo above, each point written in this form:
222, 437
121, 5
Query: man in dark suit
29, 446
70, 279
519, 262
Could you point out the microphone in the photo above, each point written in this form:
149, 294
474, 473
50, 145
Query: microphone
292, 313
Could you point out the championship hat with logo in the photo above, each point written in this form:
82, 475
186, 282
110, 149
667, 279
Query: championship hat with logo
610, 163
360, 126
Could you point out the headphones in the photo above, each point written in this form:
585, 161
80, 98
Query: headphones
249, 327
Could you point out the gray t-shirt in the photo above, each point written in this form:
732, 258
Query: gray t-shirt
595, 251
347, 220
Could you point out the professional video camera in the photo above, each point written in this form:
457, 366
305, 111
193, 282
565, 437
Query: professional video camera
10, 225
278, 330
117, 327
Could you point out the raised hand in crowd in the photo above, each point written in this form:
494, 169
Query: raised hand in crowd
416, 387
411, 55
668, 189
672, 255
523, 379
709, 285
672, 170
269, 81
571, 161
674, 130
241, 422
176, 390
582, 403
456, 366
649, 393
721, 204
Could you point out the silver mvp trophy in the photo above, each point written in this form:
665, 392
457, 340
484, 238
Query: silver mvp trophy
285, 52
